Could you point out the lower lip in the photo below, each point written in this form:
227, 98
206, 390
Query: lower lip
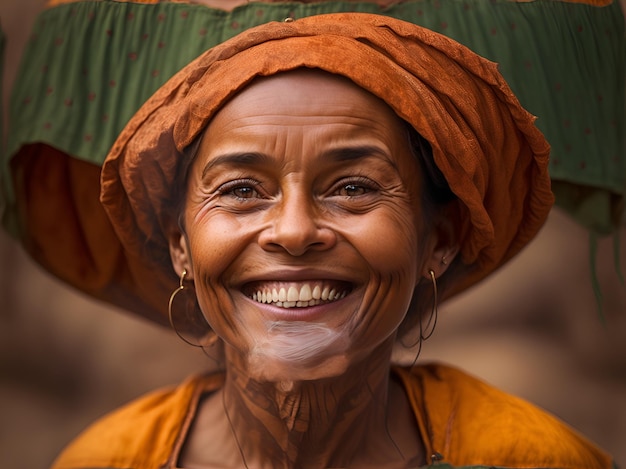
308, 313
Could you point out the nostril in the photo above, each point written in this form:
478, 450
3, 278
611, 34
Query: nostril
297, 239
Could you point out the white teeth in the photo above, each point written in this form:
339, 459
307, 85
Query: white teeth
292, 294
305, 293
292, 297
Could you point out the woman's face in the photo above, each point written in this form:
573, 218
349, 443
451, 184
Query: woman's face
303, 232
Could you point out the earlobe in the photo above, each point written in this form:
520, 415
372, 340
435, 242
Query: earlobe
179, 254
440, 260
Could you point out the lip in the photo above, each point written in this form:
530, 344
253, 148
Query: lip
297, 275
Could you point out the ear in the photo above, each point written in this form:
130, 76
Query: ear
444, 248
179, 253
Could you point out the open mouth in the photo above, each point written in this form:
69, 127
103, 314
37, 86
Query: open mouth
297, 295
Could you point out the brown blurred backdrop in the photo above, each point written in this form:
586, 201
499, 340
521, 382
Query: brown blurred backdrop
533, 330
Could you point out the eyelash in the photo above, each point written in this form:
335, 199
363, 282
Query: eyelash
230, 187
360, 182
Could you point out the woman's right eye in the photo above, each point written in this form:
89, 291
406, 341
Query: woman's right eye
246, 192
240, 189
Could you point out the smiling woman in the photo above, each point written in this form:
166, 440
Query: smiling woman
314, 188
293, 193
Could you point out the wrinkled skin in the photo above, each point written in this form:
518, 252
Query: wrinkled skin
304, 239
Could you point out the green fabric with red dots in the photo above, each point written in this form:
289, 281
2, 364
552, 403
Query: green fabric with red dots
90, 65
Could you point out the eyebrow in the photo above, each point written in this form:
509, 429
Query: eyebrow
236, 159
338, 155
354, 153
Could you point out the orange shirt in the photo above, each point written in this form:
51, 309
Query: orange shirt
468, 422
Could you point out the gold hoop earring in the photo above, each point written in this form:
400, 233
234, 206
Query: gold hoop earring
434, 312
431, 320
211, 341
180, 288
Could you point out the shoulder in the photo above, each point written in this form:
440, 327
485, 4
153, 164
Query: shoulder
472, 423
141, 434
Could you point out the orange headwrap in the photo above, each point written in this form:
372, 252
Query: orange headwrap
486, 145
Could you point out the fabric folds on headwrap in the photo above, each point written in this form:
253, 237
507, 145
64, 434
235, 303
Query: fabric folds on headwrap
485, 144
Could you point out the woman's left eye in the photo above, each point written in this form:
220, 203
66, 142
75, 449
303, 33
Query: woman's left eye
355, 188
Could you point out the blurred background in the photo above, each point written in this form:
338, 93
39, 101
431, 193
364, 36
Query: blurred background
534, 330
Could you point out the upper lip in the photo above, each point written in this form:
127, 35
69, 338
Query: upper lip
297, 275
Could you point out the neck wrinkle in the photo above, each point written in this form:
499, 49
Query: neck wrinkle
323, 423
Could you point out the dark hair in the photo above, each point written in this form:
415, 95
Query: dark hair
187, 157
436, 192
436, 199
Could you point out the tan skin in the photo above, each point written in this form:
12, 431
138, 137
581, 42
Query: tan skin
305, 180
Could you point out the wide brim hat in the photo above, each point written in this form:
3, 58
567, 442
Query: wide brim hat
484, 143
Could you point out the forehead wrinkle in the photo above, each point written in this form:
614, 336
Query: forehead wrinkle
330, 126
356, 153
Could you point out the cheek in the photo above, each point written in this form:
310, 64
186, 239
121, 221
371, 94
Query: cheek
214, 245
389, 244
215, 241
388, 239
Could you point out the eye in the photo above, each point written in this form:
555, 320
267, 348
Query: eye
241, 189
244, 192
352, 190
355, 187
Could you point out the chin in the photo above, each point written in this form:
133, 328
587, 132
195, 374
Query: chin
263, 369
299, 351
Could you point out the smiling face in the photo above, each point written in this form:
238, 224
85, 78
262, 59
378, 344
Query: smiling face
303, 231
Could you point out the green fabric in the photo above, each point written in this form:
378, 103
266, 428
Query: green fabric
2, 46
90, 65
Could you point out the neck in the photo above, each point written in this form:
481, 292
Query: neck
332, 422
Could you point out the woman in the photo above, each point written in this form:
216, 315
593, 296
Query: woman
90, 65
317, 186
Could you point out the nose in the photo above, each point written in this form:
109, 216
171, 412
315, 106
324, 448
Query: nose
297, 227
